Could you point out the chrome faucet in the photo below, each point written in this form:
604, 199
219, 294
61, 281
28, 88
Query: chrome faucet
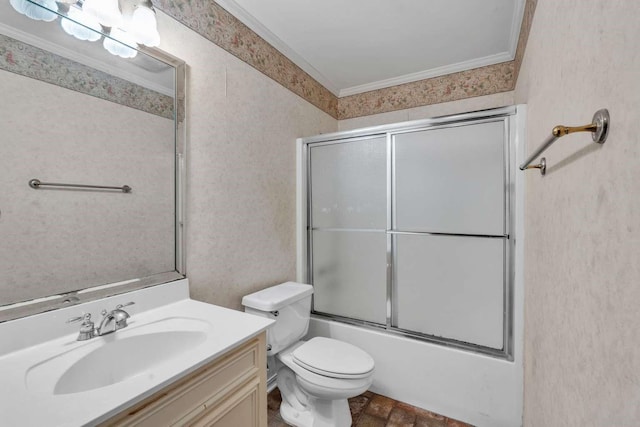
111, 322
87, 328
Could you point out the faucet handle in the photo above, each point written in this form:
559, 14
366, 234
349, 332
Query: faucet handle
85, 317
120, 306
120, 316
87, 328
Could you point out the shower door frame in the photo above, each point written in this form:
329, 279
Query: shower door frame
305, 231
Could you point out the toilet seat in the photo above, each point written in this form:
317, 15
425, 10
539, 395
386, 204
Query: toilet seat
333, 358
322, 385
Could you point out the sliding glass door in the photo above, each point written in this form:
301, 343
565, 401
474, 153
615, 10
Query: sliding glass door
408, 231
348, 190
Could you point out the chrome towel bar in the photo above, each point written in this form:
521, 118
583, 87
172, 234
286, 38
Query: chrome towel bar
36, 184
599, 129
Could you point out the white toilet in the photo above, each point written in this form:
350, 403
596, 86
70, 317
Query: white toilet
315, 377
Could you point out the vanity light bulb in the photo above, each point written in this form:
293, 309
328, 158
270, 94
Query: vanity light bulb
107, 12
143, 26
85, 27
123, 46
42, 10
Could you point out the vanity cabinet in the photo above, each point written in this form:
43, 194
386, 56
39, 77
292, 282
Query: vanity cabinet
228, 392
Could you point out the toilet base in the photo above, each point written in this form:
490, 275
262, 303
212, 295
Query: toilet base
294, 417
323, 413
300, 409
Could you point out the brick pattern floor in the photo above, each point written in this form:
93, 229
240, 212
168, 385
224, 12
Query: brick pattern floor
373, 410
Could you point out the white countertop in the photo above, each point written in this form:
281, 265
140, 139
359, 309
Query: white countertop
23, 405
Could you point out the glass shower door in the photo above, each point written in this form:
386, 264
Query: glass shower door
449, 232
348, 217
409, 232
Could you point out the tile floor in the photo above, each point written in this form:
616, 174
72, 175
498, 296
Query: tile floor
373, 410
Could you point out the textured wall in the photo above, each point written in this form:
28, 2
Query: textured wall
582, 269
54, 240
241, 169
242, 128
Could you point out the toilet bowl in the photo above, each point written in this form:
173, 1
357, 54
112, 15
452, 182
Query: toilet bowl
327, 372
315, 377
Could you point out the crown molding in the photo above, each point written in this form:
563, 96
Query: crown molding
257, 27
250, 21
516, 26
428, 74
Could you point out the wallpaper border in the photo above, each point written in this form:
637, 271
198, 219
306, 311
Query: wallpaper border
220, 27
213, 22
30, 61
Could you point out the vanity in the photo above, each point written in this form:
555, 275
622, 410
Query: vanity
228, 392
92, 242
178, 362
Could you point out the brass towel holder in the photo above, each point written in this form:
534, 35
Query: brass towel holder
599, 128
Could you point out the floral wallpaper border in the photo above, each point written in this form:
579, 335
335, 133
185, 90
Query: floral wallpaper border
29, 61
213, 22
451, 87
222, 28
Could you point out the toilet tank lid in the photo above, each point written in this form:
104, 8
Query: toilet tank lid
276, 297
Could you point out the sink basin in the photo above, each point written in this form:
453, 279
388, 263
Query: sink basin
50, 379
129, 353
123, 359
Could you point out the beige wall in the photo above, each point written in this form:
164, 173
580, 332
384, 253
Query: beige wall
434, 110
242, 129
582, 221
54, 241
582, 250
582, 230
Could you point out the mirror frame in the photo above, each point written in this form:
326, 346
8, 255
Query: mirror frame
64, 300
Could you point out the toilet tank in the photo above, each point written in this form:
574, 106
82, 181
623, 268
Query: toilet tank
289, 304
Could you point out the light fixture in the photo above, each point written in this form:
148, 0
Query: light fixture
40, 10
81, 25
107, 12
143, 25
120, 43
128, 23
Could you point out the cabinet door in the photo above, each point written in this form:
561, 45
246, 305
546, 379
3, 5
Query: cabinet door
237, 410
207, 392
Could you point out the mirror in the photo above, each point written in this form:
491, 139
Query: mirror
75, 114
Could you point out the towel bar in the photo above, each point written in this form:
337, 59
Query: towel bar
599, 129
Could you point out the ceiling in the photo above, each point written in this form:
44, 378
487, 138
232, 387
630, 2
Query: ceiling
356, 46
